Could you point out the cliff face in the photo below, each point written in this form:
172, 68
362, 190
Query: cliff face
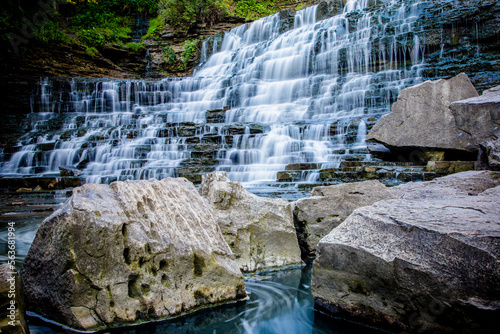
463, 36
164, 53
456, 36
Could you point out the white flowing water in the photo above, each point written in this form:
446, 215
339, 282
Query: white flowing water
311, 91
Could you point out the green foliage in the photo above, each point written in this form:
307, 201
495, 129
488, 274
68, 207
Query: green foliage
91, 37
154, 28
169, 54
52, 33
183, 14
189, 47
110, 19
135, 47
253, 9
149, 7
300, 6
91, 51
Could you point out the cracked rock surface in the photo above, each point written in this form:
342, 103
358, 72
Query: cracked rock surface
318, 215
426, 262
129, 252
259, 230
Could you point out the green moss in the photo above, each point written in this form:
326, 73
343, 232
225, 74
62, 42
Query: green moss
98, 214
169, 55
358, 287
253, 9
190, 47
91, 38
135, 47
199, 265
91, 51
155, 26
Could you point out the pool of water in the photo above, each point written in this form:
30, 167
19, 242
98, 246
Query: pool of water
279, 302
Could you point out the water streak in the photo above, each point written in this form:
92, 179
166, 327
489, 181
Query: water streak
306, 95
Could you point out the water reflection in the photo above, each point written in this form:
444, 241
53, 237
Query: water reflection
279, 302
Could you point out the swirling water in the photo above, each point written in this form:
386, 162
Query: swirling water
279, 302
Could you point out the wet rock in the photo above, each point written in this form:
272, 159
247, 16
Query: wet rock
470, 183
428, 262
286, 20
302, 166
129, 252
450, 167
288, 176
24, 190
12, 306
422, 120
216, 116
478, 118
259, 230
489, 157
327, 207
328, 9
69, 171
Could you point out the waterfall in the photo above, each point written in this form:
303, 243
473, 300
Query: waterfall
279, 97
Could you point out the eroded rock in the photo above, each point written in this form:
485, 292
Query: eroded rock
318, 215
12, 306
422, 120
259, 230
421, 263
489, 157
129, 252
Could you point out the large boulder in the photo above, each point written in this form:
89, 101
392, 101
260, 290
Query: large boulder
318, 215
421, 118
259, 230
12, 306
478, 118
489, 156
129, 252
422, 264
471, 183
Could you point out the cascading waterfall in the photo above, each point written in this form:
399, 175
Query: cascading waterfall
305, 95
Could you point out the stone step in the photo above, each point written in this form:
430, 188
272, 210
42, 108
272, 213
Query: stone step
30, 184
378, 163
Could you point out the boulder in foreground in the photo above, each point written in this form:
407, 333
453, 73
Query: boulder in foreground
12, 306
318, 215
259, 230
425, 263
129, 252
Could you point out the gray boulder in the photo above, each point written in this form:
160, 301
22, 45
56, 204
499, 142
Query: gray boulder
471, 183
318, 215
422, 264
129, 252
489, 156
478, 118
259, 230
12, 306
421, 118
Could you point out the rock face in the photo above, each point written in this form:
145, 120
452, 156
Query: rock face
489, 157
259, 230
478, 118
12, 306
422, 120
128, 252
318, 215
426, 262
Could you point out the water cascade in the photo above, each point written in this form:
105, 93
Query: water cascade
281, 91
